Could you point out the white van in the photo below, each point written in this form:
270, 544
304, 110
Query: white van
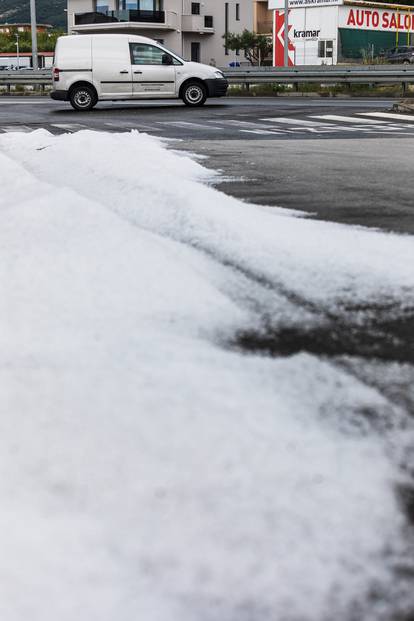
111, 67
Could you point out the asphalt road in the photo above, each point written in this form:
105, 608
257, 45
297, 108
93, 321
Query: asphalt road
334, 158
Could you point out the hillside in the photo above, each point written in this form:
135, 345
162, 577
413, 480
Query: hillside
48, 11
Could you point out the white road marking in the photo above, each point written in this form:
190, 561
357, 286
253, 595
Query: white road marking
394, 127
388, 115
186, 124
346, 119
289, 121
72, 127
246, 124
16, 128
262, 132
316, 127
127, 126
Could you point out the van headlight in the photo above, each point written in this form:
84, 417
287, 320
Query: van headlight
219, 75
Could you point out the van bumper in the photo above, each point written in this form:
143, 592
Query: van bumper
217, 88
60, 95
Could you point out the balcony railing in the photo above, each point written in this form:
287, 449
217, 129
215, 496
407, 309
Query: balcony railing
146, 17
197, 23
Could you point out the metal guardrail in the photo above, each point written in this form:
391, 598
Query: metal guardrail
346, 74
40, 78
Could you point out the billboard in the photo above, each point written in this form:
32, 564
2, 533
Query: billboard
302, 4
279, 41
376, 19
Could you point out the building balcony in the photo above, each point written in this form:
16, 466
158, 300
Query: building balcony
122, 21
202, 24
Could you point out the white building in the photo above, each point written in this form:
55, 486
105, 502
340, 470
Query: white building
194, 30
332, 31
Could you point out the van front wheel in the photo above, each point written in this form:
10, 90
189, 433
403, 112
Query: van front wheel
194, 94
83, 98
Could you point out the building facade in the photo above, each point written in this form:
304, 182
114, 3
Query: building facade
334, 31
194, 30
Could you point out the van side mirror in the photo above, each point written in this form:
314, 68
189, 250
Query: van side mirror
166, 59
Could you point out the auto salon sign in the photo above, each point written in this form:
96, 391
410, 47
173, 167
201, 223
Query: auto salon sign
376, 19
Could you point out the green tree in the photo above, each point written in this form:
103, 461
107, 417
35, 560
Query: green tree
46, 41
256, 47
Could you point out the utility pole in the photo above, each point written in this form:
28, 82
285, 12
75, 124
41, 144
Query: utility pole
286, 33
35, 60
17, 50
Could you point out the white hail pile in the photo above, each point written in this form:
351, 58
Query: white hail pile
149, 470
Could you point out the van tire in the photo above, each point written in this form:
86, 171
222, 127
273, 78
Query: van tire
194, 94
83, 97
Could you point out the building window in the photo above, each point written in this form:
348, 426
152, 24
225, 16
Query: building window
208, 21
195, 8
325, 49
102, 6
139, 5
195, 52
237, 12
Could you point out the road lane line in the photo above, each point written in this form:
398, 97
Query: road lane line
346, 119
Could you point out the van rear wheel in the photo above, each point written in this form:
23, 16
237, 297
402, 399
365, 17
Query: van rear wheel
83, 98
194, 94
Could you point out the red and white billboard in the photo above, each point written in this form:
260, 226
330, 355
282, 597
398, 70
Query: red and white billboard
376, 19
279, 40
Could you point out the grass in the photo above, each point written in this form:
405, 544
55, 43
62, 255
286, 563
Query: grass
331, 90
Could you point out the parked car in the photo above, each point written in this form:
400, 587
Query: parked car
114, 67
403, 54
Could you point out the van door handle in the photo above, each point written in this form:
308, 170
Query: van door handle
124, 72
137, 71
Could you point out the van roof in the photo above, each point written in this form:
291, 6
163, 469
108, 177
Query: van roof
130, 37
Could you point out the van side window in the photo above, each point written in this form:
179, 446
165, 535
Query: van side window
144, 54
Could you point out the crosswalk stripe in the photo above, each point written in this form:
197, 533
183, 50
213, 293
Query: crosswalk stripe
262, 132
187, 124
128, 126
388, 115
247, 125
72, 127
346, 119
16, 128
290, 121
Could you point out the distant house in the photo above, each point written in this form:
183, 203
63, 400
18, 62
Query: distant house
13, 28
